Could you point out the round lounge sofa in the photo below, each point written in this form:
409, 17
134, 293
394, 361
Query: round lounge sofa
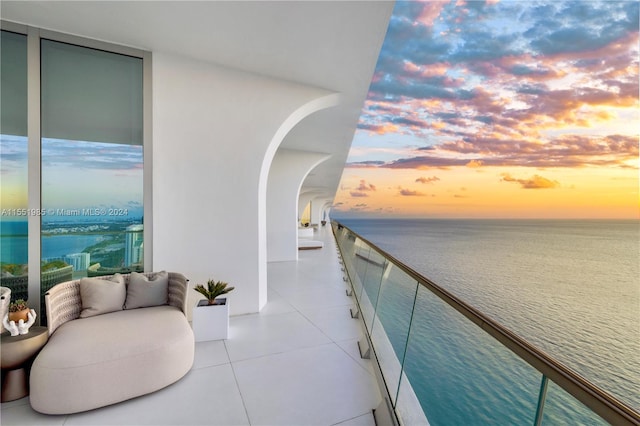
95, 357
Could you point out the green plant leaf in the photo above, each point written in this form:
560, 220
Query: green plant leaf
213, 289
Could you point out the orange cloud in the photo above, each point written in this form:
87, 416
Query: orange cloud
535, 182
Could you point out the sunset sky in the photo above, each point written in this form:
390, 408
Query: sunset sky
75, 175
500, 109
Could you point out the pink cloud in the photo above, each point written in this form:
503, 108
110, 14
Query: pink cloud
563, 151
430, 12
357, 194
364, 186
410, 193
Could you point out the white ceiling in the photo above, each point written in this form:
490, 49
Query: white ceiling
333, 45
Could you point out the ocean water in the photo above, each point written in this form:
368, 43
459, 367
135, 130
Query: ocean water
14, 249
572, 288
13, 241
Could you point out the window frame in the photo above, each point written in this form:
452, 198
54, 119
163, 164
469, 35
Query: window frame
34, 162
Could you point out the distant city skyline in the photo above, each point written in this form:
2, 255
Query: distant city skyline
500, 109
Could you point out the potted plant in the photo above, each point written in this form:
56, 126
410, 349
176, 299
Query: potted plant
18, 310
213, 290
211, 315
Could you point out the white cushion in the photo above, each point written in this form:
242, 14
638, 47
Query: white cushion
101, 296
143, 292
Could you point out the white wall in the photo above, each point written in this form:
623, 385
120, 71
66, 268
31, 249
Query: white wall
288, 170
215, 131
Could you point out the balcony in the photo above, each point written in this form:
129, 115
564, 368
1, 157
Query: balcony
441, 358
296, 362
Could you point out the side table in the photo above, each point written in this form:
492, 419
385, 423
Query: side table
16, 354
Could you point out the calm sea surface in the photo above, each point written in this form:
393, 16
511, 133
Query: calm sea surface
572, 288
13, 243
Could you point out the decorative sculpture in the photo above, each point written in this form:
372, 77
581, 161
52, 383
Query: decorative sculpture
21, 327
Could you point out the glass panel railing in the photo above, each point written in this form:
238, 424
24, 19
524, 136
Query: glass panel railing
360, 256
462, 375
348, 251
561, 408
376, 266
443, 362
390, 328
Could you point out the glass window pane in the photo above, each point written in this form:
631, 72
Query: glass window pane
92, 163
13, 80
13, 163
90, 95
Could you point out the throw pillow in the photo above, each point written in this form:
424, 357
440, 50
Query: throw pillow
143, 292
101, 296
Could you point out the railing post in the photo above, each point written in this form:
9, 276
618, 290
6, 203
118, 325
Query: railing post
364, 348
541, 399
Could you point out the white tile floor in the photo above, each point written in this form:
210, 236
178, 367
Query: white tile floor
294, 363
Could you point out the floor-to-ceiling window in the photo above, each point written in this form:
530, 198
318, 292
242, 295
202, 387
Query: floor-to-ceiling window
90, 162
13, 162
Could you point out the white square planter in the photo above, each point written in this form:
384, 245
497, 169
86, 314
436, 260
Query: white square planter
211, 322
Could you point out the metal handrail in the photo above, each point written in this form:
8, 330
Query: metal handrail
597, 400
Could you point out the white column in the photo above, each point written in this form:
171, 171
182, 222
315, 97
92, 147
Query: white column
215, 132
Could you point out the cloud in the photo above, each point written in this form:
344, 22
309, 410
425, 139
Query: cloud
429, 13
506, 83
579, 26
563, 151
431, 179
535, 182
364, 186
380, 129
359, 207
13, 155
410, 193
357, 194
364, 164
90, 155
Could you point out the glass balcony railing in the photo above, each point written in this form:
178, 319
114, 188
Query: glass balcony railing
443, 362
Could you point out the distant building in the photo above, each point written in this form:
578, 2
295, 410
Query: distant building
79, 261
133, 245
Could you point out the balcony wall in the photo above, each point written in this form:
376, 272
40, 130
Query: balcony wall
215, 132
